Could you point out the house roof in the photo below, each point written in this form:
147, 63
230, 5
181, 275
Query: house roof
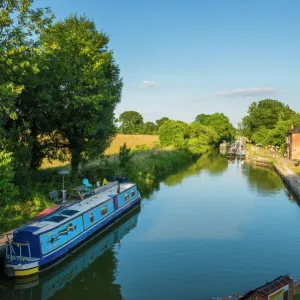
295, 130
269, 287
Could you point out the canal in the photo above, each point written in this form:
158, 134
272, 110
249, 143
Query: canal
213, 229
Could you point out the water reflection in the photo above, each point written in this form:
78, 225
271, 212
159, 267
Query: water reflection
92, 268
263, 181
213, 163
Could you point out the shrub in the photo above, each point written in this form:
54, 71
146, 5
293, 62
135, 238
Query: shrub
8, 190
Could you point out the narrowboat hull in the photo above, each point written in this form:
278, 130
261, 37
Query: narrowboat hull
14, 268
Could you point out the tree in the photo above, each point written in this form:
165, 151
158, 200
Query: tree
124, 157
132, 122
260, 136
85, 88
220, 123
265, 113
20, 28
201, 138
149, 128
201, 118
173, 133
277, 136
160, 121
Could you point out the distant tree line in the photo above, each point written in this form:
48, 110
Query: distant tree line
132, 122
204, 133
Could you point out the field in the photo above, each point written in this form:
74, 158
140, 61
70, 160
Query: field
131, 140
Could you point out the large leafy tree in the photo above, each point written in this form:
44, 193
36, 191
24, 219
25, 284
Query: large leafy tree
265, 113
277, 136
220, 123
85, 88
132, 122
20, 28
201, 138
174, 133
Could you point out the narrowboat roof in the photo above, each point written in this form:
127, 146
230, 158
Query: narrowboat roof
69, 212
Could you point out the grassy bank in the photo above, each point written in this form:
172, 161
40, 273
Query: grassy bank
145, 167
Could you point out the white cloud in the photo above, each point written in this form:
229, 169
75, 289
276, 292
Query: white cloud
258, 91
148, 83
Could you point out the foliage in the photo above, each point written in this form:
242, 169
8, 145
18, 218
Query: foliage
220, 123
201, 118
277, 136
173, 133
20, 28
59, 86
132, 122
268, 121
265, 113
149, 128
160, 121
124, 157
8, 190
197, 138
148, 167
142, 147
86, 87
261, 136
201, 138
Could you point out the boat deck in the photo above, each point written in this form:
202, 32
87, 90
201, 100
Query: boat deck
77, 208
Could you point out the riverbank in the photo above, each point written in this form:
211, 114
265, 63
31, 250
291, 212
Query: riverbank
145, 167
285, 168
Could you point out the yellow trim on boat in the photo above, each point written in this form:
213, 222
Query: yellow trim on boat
26, 272
27, 279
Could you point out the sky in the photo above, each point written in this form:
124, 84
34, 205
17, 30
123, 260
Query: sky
180, 58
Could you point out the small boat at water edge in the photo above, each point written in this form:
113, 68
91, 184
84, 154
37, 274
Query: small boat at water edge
44, 242
241, 154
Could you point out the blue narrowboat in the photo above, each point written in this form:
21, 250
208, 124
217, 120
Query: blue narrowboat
43, 243
45, 287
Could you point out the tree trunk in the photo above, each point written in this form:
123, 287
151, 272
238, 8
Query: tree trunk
36, 150
75, 160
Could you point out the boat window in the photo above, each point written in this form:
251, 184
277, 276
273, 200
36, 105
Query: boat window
133, 193
126, 197
56, 219
69, 212
104, 210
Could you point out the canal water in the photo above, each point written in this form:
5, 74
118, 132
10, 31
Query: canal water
213, 229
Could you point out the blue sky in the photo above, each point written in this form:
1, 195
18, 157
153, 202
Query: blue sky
182, 58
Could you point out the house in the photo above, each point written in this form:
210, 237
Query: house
293, 143
280, 288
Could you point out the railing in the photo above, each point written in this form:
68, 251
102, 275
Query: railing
10, 251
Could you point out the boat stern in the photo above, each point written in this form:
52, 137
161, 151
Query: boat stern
14, 268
